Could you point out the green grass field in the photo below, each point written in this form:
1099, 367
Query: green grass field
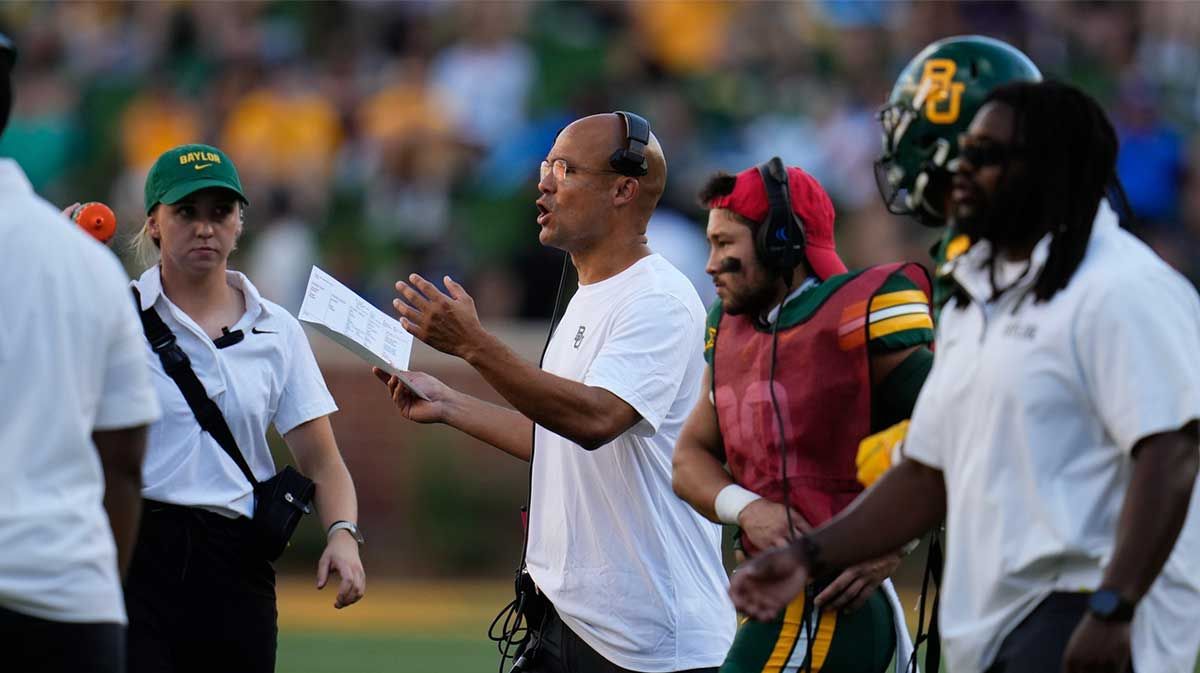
400, 627
434, 627
326, 652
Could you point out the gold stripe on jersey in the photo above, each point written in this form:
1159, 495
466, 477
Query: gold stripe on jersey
788, 633
901, 323
823, 640
897, 298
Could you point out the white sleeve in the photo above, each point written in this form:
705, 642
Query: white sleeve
925, 441
305, 395
1138, 345
921, 441
645, 356
127, 398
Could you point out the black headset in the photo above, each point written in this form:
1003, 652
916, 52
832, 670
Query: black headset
631, 159
779, 242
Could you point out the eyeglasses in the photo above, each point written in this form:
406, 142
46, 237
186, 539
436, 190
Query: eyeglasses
986, 153
562, 169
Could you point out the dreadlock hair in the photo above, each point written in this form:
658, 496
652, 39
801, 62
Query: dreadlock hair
1076, 153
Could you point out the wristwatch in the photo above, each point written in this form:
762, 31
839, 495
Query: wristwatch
1108, 606
347, 526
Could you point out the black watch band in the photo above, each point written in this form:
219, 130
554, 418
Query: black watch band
812, 555
1108, 606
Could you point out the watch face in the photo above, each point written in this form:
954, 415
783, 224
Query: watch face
1104, 603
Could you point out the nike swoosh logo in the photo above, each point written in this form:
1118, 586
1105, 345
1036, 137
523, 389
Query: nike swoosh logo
200, 167
255, 330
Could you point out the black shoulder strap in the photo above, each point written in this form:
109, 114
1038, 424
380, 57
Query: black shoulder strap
178, 366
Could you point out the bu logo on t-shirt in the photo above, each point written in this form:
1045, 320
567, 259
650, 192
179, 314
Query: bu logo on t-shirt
579, 337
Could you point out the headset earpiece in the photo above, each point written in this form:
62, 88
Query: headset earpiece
780, 240
631, 159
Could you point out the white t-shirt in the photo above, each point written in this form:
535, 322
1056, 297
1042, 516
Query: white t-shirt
70, 363
269, 377
631, 568
1031, 413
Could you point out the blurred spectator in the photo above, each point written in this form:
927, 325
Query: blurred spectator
156, 120
681, 36
484, 79
286, 132
283, 253
43, 133
1150, 162
684, 244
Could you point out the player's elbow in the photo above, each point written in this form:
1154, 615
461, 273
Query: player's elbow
596, 434
678, 483
603, 423
681, 462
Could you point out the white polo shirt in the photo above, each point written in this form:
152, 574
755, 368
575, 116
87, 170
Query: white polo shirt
1031, 412
269, 377
70, 364
631, 568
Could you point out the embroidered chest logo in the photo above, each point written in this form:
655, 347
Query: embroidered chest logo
1018, 330
579, 336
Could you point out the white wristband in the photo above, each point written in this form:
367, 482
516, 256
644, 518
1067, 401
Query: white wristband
731, 501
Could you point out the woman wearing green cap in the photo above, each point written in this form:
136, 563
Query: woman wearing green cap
200, 592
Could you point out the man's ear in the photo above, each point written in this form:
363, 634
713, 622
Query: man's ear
625, 191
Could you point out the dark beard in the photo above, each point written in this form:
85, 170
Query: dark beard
1005, 219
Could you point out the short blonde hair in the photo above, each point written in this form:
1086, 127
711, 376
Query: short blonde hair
143, 246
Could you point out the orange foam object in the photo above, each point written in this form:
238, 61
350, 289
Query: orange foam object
97, 219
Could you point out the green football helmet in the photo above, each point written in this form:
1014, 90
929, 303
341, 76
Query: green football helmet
933, 101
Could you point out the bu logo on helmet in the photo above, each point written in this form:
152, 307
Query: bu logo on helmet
941, 95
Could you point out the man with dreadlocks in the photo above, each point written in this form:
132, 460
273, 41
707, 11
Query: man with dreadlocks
1057, 431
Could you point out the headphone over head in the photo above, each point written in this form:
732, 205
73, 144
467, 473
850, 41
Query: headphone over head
631, 159
779, 242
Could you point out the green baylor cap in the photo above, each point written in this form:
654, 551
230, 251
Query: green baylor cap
188, 169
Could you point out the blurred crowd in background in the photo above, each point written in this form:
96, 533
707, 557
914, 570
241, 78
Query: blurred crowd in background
379, 138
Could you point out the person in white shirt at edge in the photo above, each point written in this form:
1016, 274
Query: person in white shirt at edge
634, 575
200, 597
1058, 428
76, 402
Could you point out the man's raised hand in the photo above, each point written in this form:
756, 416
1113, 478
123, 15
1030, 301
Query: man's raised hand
447, 322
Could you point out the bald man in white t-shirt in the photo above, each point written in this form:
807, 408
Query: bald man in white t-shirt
633, 575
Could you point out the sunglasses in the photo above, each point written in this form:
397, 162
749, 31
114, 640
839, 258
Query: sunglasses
986, 153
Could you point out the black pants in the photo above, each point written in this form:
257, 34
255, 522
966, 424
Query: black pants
199, 599
1039, 642
561, 651
32, 645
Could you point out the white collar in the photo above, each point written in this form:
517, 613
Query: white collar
150, 288
807, 285
971, 272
